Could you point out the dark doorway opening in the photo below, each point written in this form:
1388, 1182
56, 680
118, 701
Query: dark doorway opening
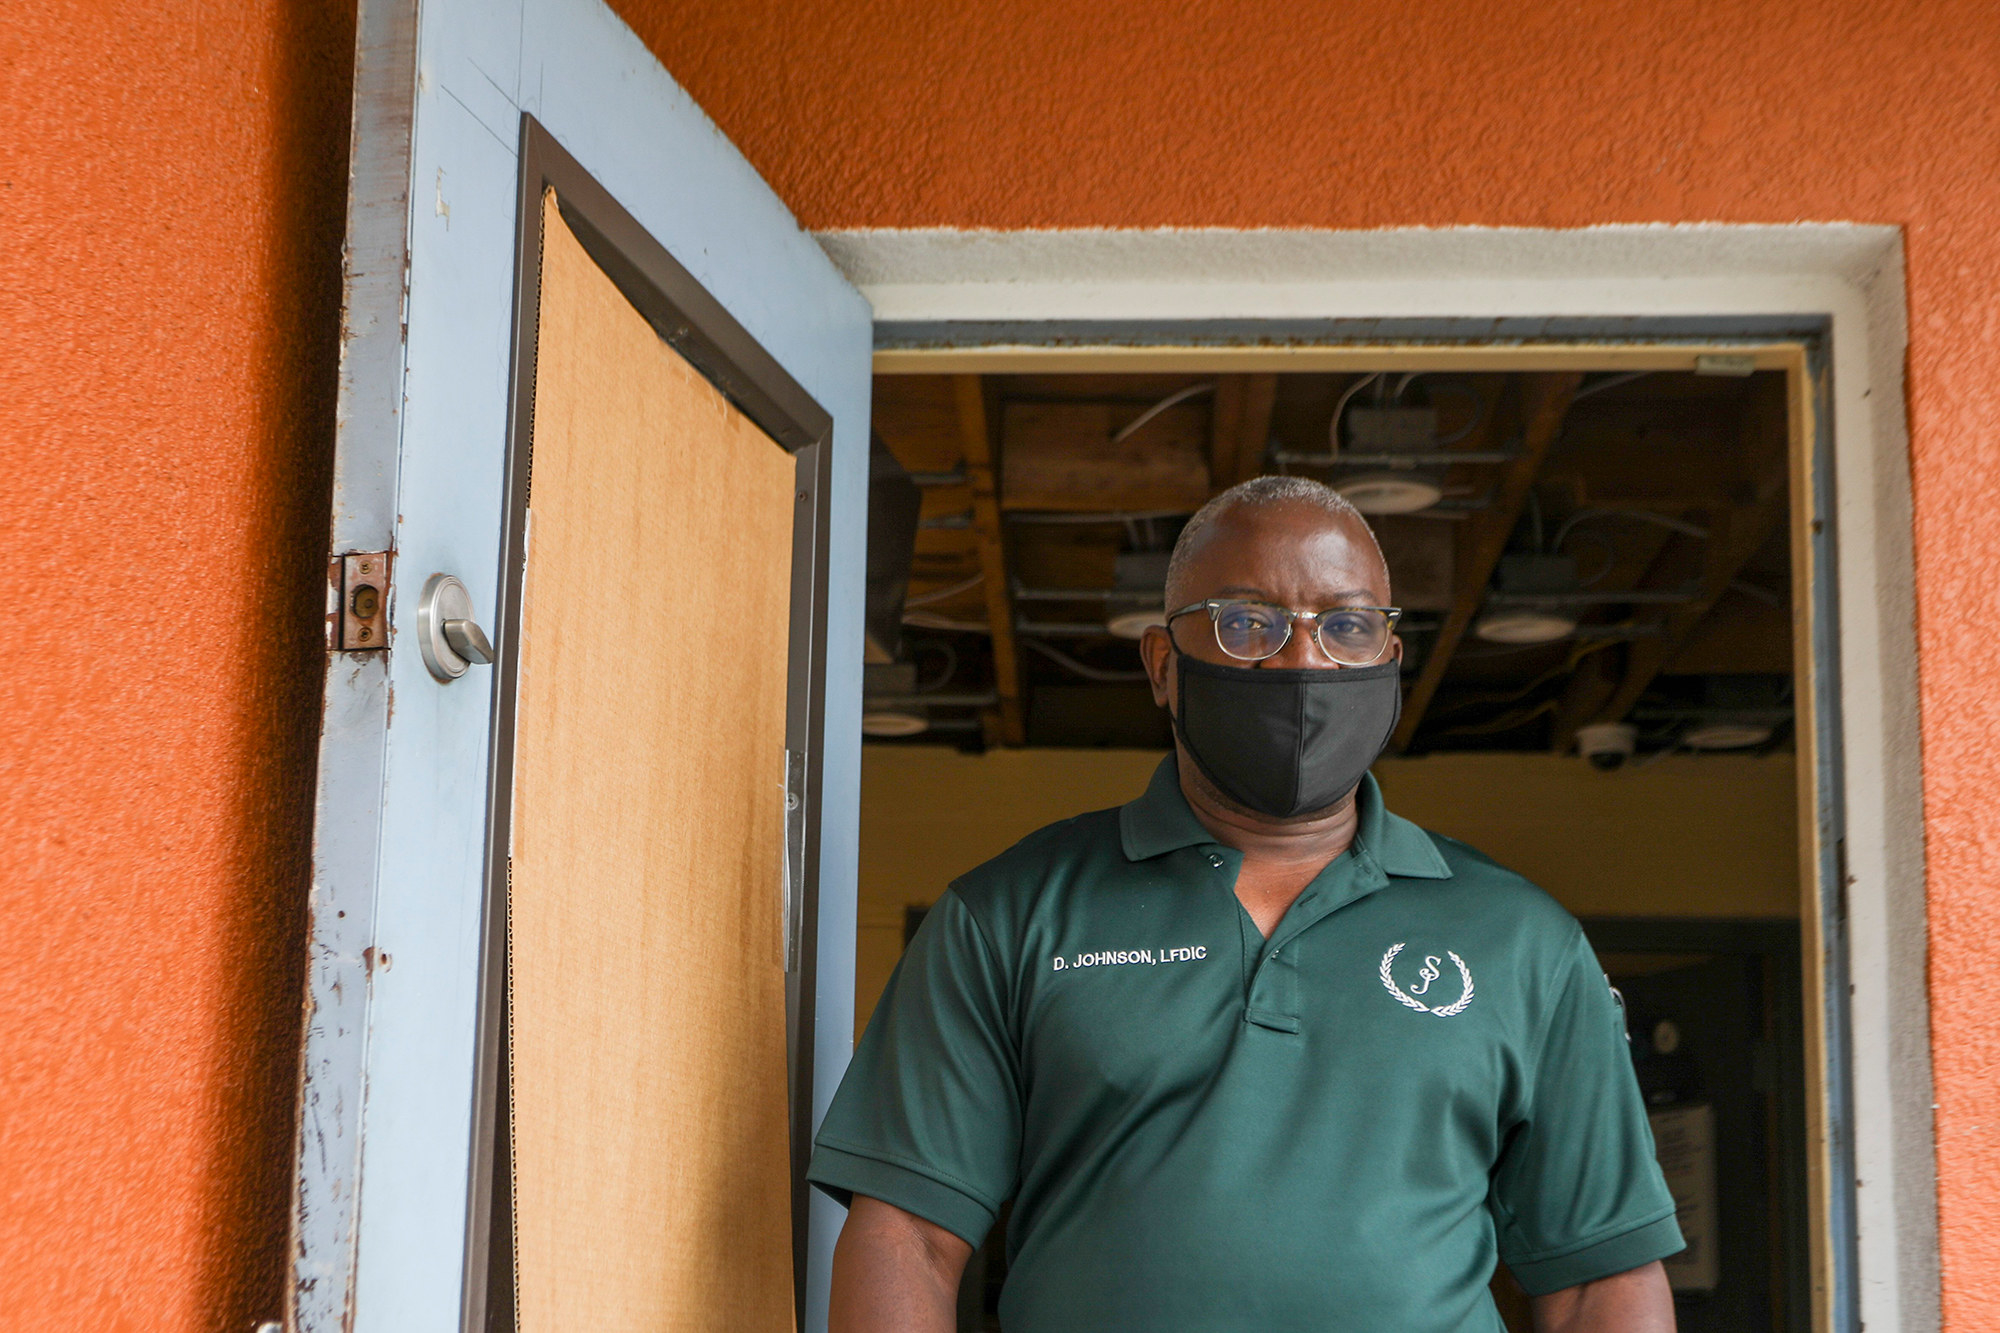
1596, 572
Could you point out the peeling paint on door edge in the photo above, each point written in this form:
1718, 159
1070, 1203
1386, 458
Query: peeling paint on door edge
342, 952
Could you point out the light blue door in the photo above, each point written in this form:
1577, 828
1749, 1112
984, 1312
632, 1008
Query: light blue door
386, 1210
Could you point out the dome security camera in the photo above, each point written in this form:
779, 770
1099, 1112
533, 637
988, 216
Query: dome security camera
1607, 745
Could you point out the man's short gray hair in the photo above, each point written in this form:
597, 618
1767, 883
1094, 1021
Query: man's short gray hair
1256, 493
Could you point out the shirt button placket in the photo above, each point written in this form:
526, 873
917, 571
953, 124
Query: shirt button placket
1274, 990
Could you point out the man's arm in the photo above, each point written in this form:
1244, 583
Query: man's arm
1638, 1301
893, 1272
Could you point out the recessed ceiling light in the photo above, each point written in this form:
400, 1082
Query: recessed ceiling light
1524, 626
1725, 736
1133, 624
1389, 492
893, 722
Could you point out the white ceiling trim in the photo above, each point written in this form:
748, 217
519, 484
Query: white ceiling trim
926, 274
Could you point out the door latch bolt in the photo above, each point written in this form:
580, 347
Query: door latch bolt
359, 584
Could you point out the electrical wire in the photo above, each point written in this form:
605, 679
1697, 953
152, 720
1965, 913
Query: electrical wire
1609, 382
1478, 412
925, 620
1333, 427
1385, 394
1131, 427
946, 594
950, 664
1764, 595
1666, 521
1576, 656
1505, 722
1039, 517
1610, 553
1610, 548
1068, 663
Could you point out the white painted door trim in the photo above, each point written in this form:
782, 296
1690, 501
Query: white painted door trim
1850, 274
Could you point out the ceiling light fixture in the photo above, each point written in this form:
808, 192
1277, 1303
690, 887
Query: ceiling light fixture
894, 722
1134, 624
1524, 625
1389, 492
1542, 578
1725, 736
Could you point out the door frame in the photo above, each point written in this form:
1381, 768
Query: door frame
382, 1216
688, 318
1824, 302
1774, 944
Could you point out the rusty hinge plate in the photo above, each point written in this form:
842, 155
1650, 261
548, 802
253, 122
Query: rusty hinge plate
358, 587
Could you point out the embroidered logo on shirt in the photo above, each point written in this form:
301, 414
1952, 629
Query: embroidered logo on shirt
1431, 971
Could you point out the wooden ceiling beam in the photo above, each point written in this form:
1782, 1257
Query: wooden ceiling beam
1069, 456
975, 426
1584, 695
1543, 405
1240, 427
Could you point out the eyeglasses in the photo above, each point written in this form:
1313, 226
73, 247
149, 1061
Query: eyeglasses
1252, 631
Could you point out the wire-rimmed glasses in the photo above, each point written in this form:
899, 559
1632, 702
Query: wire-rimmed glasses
1251, 631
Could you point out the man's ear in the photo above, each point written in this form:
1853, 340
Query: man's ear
1156, 650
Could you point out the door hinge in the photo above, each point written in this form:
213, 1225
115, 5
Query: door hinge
357, 619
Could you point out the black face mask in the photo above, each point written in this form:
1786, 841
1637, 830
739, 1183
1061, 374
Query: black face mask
1286, 742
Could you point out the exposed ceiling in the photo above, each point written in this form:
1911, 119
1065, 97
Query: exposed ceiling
1656, 504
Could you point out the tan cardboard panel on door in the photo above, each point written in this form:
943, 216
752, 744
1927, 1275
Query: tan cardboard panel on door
649, 1124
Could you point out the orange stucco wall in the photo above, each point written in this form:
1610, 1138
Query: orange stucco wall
171, 178
1548, 113
171, 187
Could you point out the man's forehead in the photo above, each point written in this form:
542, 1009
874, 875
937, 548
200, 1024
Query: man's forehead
1255, 536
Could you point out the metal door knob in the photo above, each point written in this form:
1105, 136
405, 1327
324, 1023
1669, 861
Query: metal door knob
450, 638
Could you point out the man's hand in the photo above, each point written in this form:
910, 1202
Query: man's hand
893, 1272
1638, 1301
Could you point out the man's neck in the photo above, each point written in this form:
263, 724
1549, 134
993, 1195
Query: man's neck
1315, 840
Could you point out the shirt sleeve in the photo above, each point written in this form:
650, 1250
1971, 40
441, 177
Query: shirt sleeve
928, 1115
1578, 1194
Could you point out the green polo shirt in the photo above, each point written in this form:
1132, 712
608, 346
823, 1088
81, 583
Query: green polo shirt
1335, 1128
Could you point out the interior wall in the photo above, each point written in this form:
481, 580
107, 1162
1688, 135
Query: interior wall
1708, 836
173, 182
1259, 113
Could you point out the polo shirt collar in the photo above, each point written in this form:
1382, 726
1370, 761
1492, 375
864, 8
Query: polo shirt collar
1160, 822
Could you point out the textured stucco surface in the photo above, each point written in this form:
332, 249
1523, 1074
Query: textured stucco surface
169, 282
1257, 113
168, 290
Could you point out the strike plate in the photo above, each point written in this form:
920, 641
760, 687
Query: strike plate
359, 619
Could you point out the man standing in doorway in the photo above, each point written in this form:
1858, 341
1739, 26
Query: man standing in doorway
1251, 1052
